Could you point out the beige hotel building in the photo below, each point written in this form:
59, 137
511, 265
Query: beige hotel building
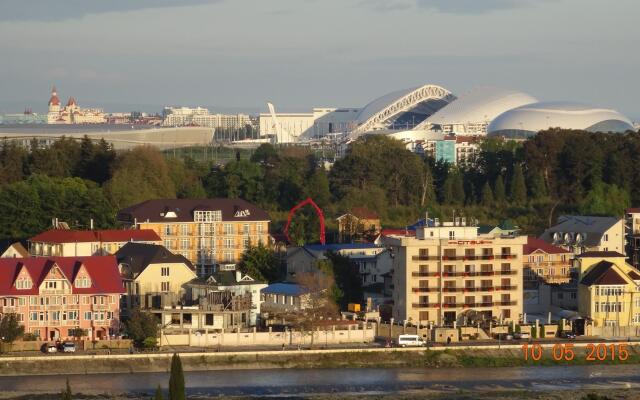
448, 270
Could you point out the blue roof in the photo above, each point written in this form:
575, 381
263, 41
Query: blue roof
340, 246
291, 289
420, 223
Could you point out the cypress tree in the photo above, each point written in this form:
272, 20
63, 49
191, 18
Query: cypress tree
499, 191
487, 195
176, 380
518, 188
458, 189
158, 395
538, 187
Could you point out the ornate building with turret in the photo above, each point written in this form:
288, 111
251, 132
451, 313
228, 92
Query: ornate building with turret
72, 113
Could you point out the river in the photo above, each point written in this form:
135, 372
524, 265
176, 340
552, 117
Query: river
301, 382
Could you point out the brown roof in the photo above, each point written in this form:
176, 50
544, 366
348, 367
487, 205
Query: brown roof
364, 213
603, 273
603, 254
632, 210
155, 210
634, 275
534, 244
109, 235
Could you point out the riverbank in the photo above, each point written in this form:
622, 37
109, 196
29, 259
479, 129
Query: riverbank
455, 357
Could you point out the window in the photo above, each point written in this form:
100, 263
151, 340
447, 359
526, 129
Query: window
98, 300
228, 229
605, 237
23, 283
245, 243
228, 243
636, 318
33, 300
424, 316
164, 271
184, 243
168, 243
609, 290
87, 315
184, 229
259, 228
207, 216
51, 285
33, 316
165, 286
83, 282
228, 256
245, 229
452, 235
167, 230
22, 301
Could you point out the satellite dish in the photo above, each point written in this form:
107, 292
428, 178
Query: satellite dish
578, 238
557, 236
568, 237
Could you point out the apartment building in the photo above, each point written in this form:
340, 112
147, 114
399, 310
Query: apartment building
72, 243
52, 296
632, 233
608, 289
543, 262
448, 270
205, 231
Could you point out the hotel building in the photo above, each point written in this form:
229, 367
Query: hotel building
448, 270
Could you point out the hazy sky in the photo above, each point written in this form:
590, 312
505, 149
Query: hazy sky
121, 54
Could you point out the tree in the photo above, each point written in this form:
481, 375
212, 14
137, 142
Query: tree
158, 395
78, 333
499, 193
140, 174
10, 328
141, 326
318, 188
318, 303
347, 278
518, 188
66, 393
487, 195
607, 200
176, 379
261, 263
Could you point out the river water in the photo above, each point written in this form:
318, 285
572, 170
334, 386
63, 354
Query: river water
300, 382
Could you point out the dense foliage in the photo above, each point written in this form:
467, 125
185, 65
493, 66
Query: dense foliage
530, 182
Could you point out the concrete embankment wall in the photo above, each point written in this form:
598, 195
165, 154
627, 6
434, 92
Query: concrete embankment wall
459, 356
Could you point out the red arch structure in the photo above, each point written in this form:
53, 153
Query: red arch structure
318, 211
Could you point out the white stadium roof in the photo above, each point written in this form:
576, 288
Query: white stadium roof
481, 104
532, 118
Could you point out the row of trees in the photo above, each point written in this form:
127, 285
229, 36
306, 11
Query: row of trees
557, 171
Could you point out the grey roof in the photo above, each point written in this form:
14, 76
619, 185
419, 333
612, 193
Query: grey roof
593, 227
154, 210
290, 289
139, 256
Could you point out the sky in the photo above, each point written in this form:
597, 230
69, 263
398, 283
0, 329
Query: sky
238, 54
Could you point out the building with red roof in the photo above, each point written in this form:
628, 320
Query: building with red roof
52, 296
72, 113
359, 224
74, 243
544, 262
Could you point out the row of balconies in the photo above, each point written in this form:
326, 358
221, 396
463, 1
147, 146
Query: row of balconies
465, 258
463, 290
464, 305
463, 274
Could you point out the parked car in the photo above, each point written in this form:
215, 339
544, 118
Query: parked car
567, 335
521, 335
410, 340
49, 348
68, 347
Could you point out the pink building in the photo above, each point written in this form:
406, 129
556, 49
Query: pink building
53, 295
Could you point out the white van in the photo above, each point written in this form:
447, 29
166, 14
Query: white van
410, 340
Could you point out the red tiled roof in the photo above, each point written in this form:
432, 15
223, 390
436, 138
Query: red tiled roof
632, 210
534, 244
398, 232
111, 235
103, 270
364, 212
72, 101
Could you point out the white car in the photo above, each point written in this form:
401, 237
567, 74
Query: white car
410, 340
68, 347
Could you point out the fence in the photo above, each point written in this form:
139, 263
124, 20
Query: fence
352, 334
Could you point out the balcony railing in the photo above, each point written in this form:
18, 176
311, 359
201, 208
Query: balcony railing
452, 274
425, 274
506, 287
424, 258
452, 289
424, 289
505, 303
425, 305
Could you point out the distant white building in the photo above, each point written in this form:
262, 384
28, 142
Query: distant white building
579, 234
293, 127
183, 116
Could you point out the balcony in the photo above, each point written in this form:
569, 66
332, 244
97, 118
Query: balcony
425, 274
452, 289
424, 289
452, 274
425, 305
8, 309
505, 303
509, 287
486, 257
507, 272
506, 256
100, 307
424, 258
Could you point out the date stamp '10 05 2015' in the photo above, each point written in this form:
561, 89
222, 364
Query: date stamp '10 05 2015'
566, 352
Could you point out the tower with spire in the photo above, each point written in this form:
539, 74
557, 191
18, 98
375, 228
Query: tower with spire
54, 107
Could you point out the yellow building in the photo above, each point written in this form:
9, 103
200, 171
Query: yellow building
448, 272
153, 277
205, 231
608, 289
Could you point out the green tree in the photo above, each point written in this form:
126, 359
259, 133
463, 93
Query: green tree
538, 187
141, 325
605, 199
140, 174
348, 279
318, 188
487, 196
457, 189
158, 394
176, 379
10, 328
499, 193
518, 188
66, 393
261, 263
